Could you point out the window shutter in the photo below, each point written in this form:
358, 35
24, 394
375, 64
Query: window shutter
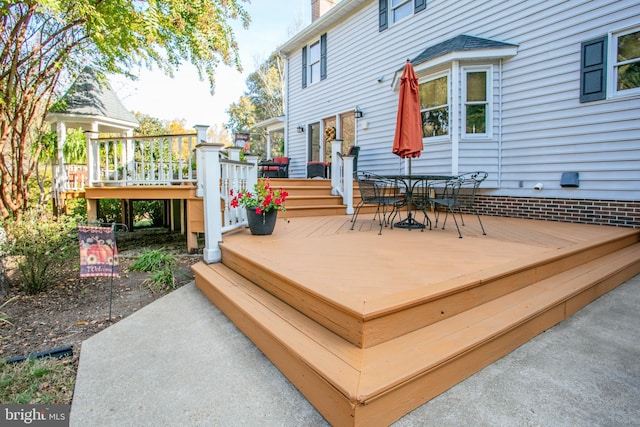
593, 70
419, 5
383, 15
304, 67
323, 56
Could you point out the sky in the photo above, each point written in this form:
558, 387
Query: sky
186, 97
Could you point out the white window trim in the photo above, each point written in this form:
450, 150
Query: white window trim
434, 76
309, 63
390, 9
463, 96
612, 81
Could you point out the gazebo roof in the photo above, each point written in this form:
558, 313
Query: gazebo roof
90, 99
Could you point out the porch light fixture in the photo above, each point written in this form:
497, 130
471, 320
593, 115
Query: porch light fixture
357, 113
300, 129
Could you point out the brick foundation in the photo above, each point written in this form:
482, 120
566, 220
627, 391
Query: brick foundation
587, 211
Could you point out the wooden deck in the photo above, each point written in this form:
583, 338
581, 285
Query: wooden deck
368, 326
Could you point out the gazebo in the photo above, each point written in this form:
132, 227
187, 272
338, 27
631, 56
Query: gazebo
92, 105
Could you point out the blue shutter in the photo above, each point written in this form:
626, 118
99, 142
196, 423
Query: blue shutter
383, 15
304, 67
419, 5
593, 70
323, 56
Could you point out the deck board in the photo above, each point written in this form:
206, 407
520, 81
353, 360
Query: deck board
370, 326
366, 273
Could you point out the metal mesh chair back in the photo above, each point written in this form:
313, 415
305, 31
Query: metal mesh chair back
457, 194
379, 191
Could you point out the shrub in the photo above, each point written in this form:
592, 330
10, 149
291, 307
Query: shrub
39, 242
160, 263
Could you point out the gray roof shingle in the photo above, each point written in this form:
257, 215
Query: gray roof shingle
459, 43
92, 97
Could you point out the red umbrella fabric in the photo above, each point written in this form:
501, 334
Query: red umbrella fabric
408, 138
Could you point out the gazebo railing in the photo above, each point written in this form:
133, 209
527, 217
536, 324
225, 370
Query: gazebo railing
142, 160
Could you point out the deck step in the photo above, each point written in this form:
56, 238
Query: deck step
402, 313
312, 197
350, 385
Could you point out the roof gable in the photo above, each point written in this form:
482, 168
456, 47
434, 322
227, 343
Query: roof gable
459, 43
88, 96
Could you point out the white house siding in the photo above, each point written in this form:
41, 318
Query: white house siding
539, 130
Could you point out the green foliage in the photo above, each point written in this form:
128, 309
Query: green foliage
37, 381
149, 126
75, 147
4, 318
110, 211
153, 260
40, 242
148, 209
162, 279
160, 264
263, 100
43, 42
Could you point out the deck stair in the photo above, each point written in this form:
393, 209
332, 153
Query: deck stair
370, 366
312, 197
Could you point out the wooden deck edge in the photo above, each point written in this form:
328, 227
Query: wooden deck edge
363, 389
333, 316
417, 310
383, 407
305, 374
542, 265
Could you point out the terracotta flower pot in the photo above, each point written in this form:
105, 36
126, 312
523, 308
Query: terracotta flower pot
261, 224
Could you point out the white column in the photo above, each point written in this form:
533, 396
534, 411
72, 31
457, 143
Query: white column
201, 138
210, 172
336, 166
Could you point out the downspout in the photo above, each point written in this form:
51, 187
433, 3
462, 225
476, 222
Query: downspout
454, 123
285, 99
500, 125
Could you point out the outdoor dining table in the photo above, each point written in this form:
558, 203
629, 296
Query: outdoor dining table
410, 183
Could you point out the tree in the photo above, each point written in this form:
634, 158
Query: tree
242, 115
262, 100
41, 42
149, 125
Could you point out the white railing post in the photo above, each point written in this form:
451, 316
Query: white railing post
347, 183
210, 179
201, 138
336, 165
92, 159
252, 176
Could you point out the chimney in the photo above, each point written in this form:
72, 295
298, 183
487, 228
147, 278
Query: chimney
320, 7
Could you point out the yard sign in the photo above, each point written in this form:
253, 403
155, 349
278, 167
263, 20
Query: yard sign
98, 252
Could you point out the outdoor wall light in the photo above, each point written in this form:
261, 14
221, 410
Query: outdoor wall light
300, 129
357, 113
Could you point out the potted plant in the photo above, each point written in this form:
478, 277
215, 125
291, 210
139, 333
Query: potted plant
262, 205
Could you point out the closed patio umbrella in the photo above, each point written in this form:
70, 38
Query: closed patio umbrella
408, 138
407, 142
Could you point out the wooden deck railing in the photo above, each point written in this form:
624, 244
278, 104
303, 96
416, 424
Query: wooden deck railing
142, 160
342, 175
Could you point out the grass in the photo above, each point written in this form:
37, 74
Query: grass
37, 381
153, 260
160, 263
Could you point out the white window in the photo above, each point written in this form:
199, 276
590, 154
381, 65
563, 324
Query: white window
313, 72
434, 105
624, 78
400, 9
476, 96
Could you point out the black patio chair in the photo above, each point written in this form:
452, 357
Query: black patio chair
381, 192
458, 194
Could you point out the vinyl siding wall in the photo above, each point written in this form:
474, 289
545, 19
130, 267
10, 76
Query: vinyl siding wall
540, 129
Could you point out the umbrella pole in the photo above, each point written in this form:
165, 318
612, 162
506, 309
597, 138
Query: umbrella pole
410, 222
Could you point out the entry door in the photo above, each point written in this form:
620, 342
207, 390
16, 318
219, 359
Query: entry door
314, 142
